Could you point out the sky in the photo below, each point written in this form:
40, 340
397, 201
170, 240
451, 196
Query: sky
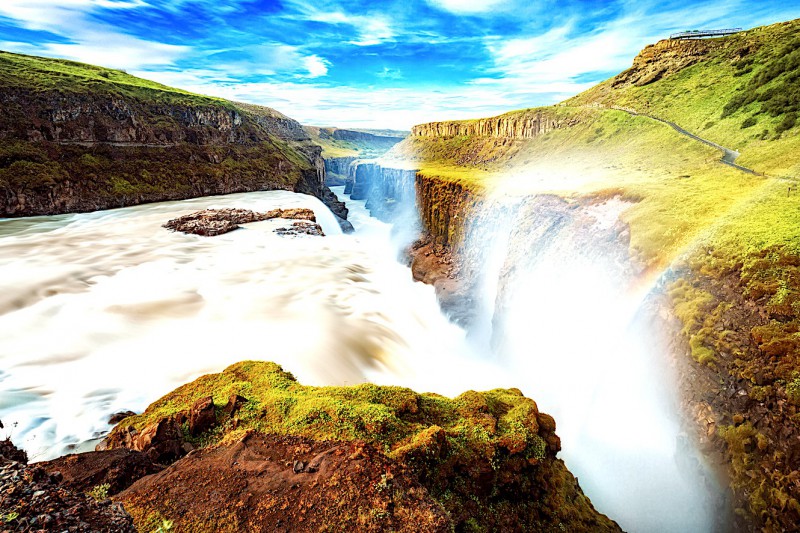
370, 64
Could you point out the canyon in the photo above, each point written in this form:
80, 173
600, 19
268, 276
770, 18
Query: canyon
585, 254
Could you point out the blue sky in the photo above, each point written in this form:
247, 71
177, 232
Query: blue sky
356, 63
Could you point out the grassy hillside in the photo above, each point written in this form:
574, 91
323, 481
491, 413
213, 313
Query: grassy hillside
729, 239
741, 91
40, 74
77, 137
373, 143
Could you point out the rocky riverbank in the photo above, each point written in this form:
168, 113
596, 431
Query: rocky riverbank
252, 449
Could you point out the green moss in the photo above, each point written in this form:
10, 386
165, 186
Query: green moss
396, 419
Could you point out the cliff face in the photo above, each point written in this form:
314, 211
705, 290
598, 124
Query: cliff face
664, 58
85, 146
337, 169
387, 190
518, 125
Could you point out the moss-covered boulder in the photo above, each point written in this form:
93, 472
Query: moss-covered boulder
481, 461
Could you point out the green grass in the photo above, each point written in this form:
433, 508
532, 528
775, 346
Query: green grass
750, 78
397, 420
39, 74
365, 149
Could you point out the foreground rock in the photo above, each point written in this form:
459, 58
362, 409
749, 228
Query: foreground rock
116, 469
280, 456
211, 222
31, 499
276, 483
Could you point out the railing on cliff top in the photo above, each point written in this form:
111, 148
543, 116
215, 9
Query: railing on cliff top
699, 34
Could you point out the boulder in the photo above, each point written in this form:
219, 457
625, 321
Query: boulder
202, 416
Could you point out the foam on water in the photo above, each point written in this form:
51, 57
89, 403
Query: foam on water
107, 311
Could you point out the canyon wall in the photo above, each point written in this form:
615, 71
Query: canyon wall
518, 125
387, 190
337, 169
89, 147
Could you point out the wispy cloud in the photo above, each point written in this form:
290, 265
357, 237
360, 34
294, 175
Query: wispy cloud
363, 63
469, 6
86, 40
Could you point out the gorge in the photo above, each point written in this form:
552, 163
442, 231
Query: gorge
626, 303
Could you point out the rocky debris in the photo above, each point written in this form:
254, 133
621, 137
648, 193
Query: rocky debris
11, 452
118, 417
280, 483
163, 441
234, 403
663, 59
31, 499
301, 228
211, 222
117, 468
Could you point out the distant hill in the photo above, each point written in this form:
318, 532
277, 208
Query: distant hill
77, 137
742, 91
363, 143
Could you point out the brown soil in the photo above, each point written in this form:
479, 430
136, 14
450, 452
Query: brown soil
117, 468
280, 483
33, 499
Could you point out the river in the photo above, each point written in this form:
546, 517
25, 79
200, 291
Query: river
107, 311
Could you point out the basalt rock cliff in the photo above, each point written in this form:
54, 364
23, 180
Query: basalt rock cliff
518, 125
76, 137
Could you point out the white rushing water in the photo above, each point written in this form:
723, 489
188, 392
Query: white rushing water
107, 311
573, 334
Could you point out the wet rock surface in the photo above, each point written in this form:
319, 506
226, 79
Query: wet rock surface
301, 228
31, 499
212, 222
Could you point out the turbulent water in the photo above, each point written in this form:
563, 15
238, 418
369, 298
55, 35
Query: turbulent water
107, 311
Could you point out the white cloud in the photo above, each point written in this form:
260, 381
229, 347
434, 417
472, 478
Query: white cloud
316, 66
468, 6
90, 42
312, 103
371, 29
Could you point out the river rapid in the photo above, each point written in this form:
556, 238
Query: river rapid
108, 311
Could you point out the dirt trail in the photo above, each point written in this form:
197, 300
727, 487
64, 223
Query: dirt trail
728, 156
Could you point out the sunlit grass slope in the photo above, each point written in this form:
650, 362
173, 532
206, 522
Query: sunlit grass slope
731, 238
741, 91
378, 144
41, 74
